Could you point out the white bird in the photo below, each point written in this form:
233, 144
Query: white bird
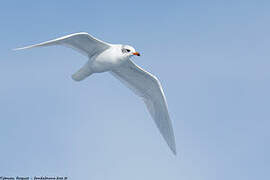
115, 58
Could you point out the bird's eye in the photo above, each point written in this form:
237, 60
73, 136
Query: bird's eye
128, 50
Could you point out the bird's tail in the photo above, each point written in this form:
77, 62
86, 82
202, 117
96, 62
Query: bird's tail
82, 73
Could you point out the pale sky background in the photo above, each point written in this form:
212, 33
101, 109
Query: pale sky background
212, 58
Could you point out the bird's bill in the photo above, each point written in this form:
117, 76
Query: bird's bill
136, 53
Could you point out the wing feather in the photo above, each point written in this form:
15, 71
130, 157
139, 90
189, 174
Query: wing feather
82, 42
149, 88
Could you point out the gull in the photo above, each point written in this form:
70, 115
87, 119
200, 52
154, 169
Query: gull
116, 59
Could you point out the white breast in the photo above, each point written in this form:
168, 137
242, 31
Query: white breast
108, 59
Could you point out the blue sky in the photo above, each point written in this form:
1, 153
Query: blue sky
212, 58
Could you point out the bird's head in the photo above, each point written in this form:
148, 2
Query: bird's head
129, 51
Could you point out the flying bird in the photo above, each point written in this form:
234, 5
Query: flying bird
115, 58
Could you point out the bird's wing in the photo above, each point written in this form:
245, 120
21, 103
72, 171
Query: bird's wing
149, 88
82, 42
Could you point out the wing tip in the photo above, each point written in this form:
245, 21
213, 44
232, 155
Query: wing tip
173, 149
171, 143
26, 47
17, 49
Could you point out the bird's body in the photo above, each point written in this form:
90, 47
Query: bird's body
107, 60
115, 58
